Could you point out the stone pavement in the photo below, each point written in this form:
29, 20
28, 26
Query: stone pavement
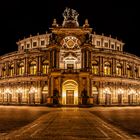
69, 124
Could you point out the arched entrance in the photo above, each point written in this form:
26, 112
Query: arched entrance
70, 92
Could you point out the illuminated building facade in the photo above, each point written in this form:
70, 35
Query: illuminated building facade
70, 65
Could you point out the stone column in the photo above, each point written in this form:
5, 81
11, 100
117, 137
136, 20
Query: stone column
124, 68
52, 85
57, 59
38, 94
60, 90
114, 66
15, 67
26, 65
138, 71
100, 99
53, 59
7, 69
39, 65
87, 55
133, 70
83, 58
101, 65
88, 86
79, 90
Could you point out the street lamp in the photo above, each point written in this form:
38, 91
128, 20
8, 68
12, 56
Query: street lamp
106, 91
120, 93
19, 91
32, 92
107, 96
132, 92
8, 92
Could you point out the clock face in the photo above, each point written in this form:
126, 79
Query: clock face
70, 42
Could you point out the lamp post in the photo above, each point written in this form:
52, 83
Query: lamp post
132, 92
19, 92
120, 93
8, 93
32, 92
107, 98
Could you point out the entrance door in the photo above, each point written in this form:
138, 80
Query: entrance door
70, 97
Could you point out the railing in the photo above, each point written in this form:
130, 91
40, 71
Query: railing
70, 70
116, 51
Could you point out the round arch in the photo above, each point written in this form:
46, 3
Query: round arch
70, 92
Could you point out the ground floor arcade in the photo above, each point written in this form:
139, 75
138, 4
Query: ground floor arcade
70, 91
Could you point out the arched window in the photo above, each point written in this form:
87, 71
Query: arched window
4, 70
107, 68
119, 69
129, 72
33, 67
45, 67
95, 67
21, 68
11, 70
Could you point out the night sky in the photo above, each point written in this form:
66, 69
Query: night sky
21, 18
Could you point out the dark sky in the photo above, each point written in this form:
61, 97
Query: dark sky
21, 18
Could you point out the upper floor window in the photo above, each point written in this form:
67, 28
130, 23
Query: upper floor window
42, 42
45, 67
135, 72
129, 71
34, 44
11, 70
119, 69
28, 46
106, 44
95, 68
107, 68
22, 47
98, 43
33, 68
21, 68
118, 48
112, 46
4, 70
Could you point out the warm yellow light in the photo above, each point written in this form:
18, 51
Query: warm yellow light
120, 91
132, 91
8, 91
76, 94
64, 94
33, 90
106, 91
19, 90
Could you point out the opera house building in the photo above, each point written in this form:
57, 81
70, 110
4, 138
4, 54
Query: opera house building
70, 65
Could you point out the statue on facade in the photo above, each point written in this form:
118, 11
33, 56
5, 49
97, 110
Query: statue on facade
70, 18
70, 14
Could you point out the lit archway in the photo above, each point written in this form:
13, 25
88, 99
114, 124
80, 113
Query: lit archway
70, 92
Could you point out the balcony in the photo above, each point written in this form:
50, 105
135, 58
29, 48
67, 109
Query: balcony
70, 71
